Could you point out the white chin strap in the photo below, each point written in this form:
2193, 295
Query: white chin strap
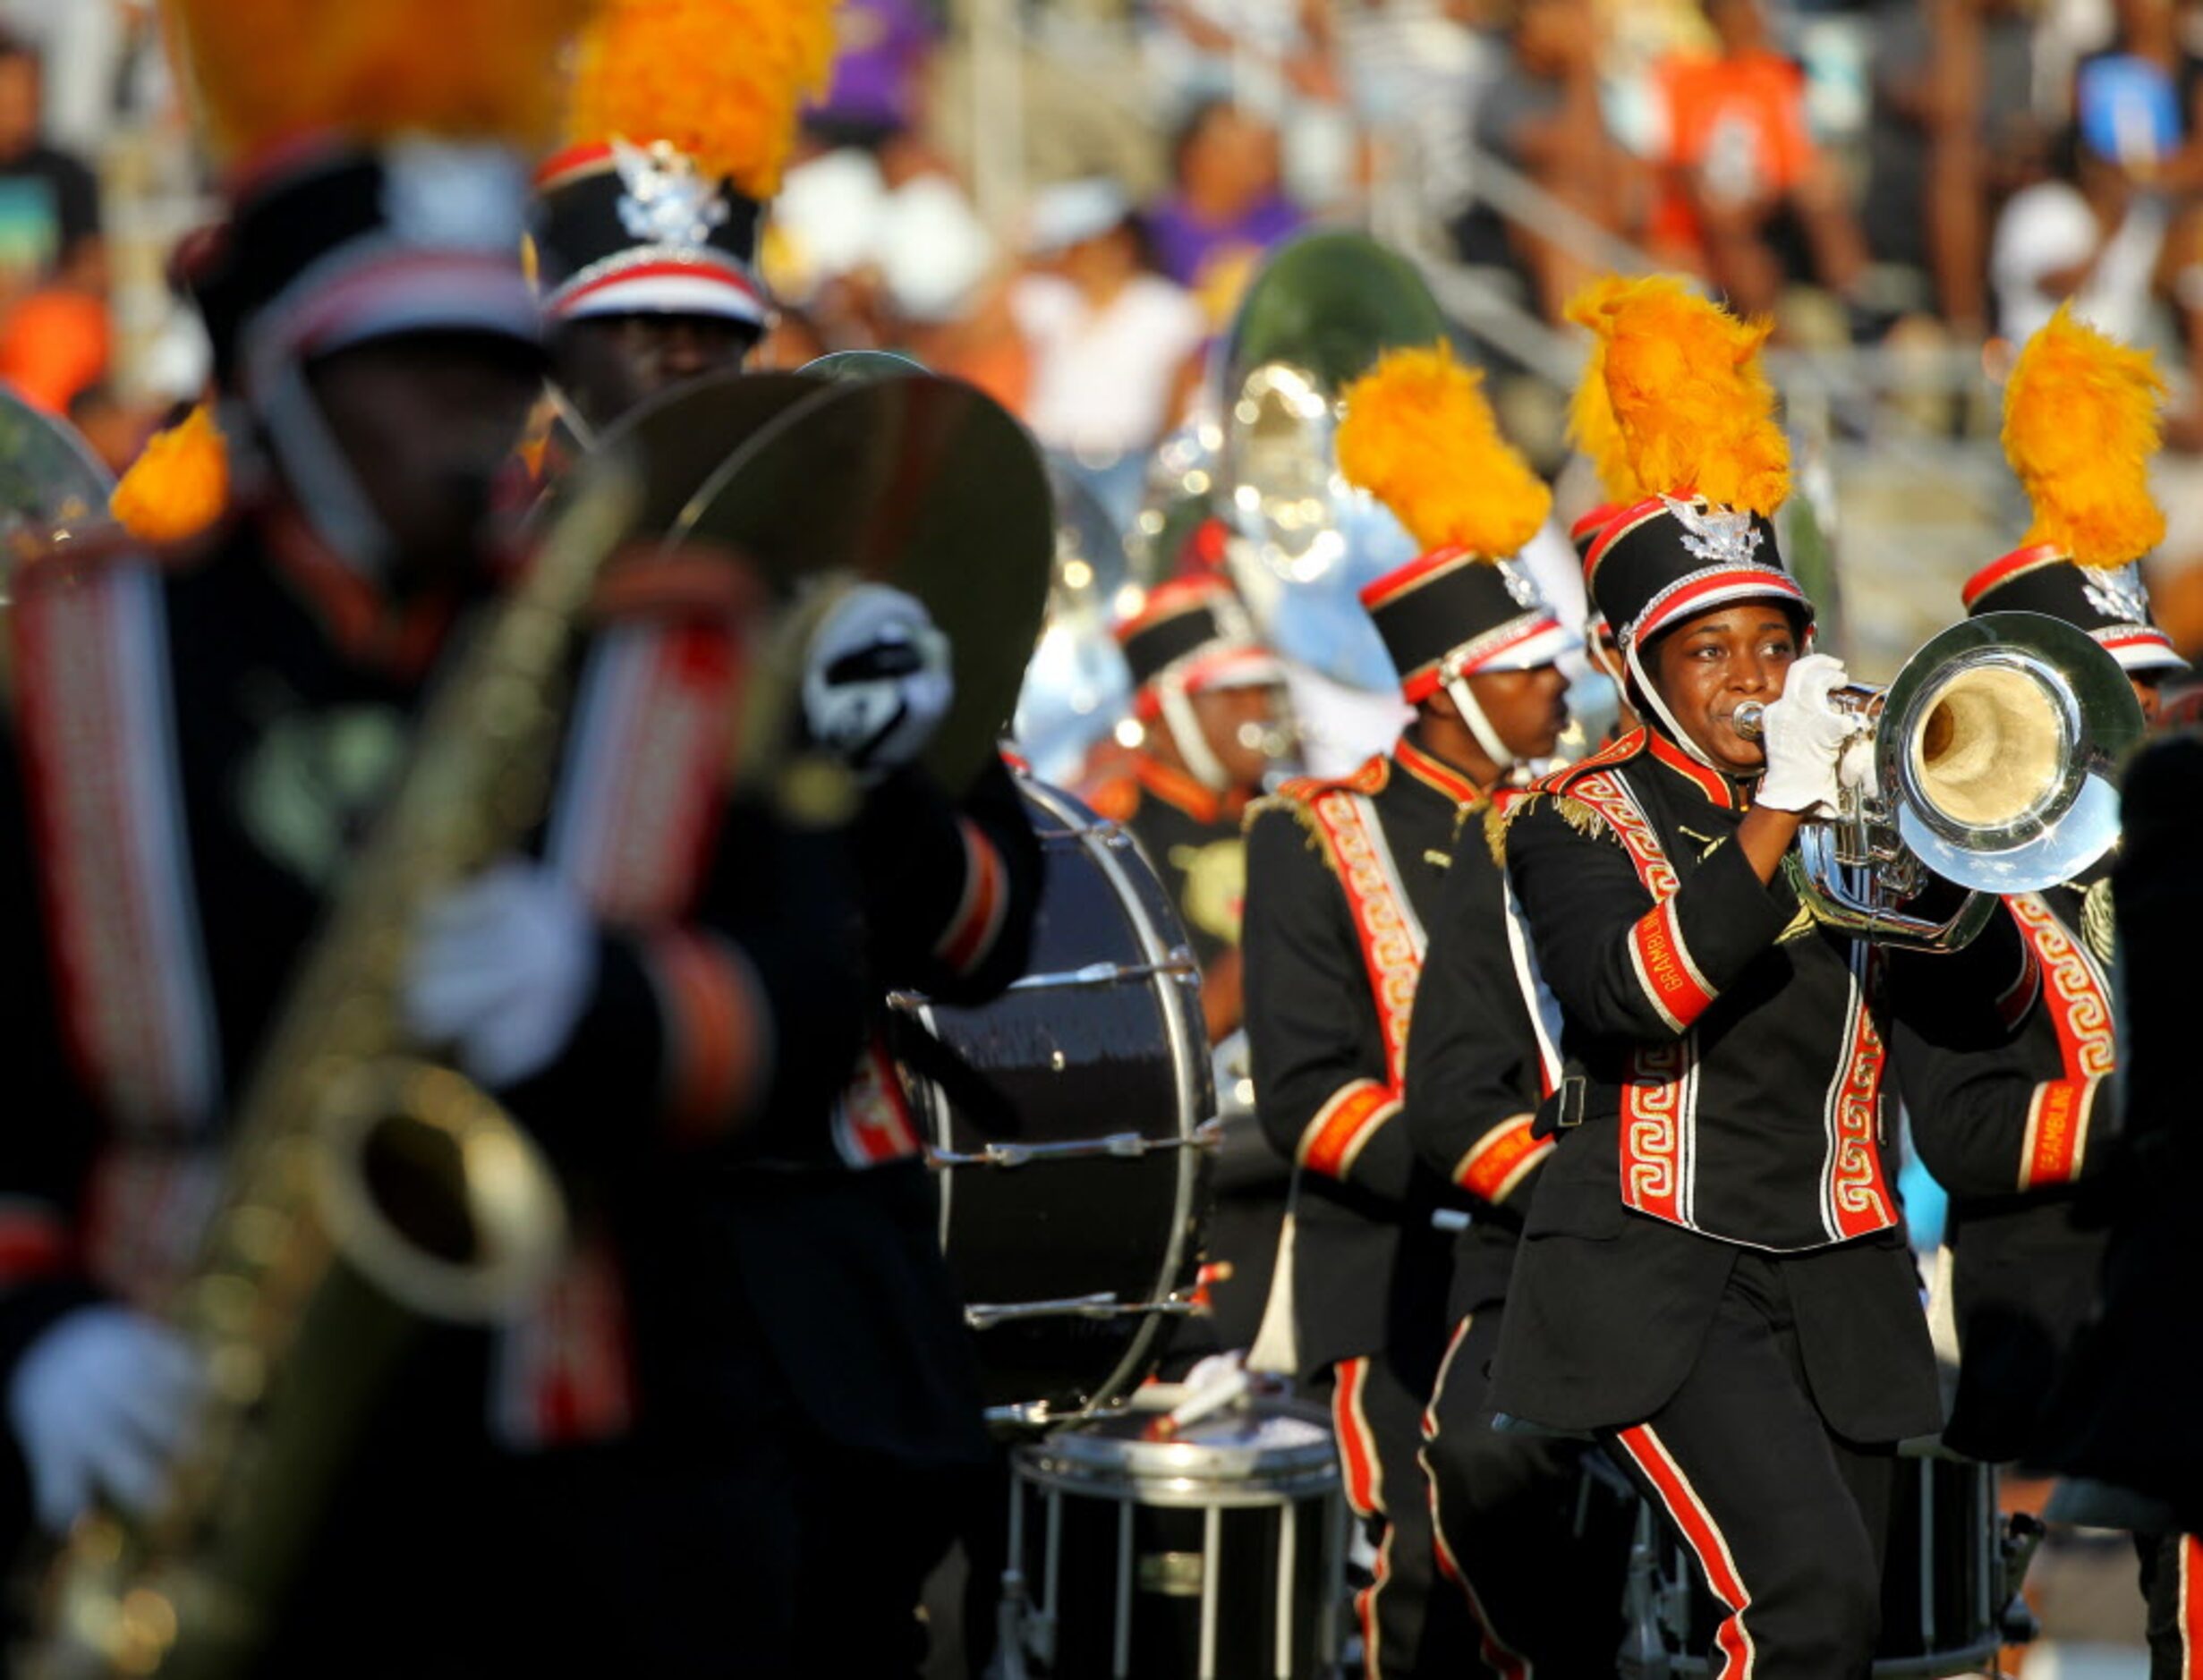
1193, 743
1479, 725
1651, 696
329, 492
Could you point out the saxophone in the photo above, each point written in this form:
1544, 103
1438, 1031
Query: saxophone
368, 1190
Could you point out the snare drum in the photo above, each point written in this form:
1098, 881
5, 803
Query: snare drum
1072, 1211
1945, 1580
1218, 1554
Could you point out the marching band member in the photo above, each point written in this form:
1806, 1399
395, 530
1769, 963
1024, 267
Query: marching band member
2123, 1417
1506, 1505
1343, 878
2013, 1135
1714, 1280
832, 1368
234, 707
646, 226
1209, 697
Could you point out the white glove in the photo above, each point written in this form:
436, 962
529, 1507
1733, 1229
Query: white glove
99, 1405
1805, 735
1855, 771
876, 679
501, 970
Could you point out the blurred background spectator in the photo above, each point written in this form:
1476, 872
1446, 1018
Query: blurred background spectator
1907, 186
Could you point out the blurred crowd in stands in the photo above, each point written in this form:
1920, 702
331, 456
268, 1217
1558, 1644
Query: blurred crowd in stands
1919, 176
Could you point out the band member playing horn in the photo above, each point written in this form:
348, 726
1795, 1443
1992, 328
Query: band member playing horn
1715, 1279
1343, 879
2013, 1135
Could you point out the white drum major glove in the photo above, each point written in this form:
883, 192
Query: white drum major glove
501, 968
99, 1404
1805, 735
876, 679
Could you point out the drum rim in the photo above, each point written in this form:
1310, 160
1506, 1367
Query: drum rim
1097, 836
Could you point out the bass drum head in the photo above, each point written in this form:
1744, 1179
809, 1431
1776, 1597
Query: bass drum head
1073, 1162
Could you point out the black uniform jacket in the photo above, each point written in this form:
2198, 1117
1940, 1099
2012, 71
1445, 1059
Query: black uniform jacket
2012, 1133
1342, 879
1723, 1087
2125, 1410
194, 749
1476, 1072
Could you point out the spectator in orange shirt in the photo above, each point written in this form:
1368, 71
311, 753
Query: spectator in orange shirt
1745, 190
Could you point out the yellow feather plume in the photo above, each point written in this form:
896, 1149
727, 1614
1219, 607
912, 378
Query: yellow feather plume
1694, 408
1591, 413
1419, 436
724, 81
2081, 424
178, 486
268, 71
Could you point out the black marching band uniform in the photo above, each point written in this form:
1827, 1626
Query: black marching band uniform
1714, 1278
1190, 636
637, 1473
1346, 881
2022, 1136
836, 1368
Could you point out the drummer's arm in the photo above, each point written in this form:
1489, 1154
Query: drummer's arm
732, 1028
1323, 1092
949, 886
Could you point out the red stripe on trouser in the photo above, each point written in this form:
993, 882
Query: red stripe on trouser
1357, 1456
1501, 1658
2191, 1607
1733, 1641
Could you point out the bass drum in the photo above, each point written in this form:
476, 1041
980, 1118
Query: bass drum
1069, 1128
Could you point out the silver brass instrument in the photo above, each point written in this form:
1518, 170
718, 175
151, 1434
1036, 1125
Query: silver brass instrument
366, 1190
1994, 757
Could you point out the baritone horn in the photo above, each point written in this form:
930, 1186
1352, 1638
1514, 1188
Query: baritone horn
1995, 754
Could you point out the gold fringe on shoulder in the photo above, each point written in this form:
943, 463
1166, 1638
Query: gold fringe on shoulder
2081, 422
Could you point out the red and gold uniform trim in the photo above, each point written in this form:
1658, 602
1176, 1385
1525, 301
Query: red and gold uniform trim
969, 938
1666, 969
2078, 1003
1858, 1199
713, 1010
2056, 1141
1342, 1127
1493, 1169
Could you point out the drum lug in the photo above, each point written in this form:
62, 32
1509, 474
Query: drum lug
2022, 1533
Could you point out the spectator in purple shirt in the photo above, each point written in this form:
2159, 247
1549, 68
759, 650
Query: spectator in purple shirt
1225, 209
877, 92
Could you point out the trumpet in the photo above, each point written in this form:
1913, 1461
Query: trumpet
1994, 757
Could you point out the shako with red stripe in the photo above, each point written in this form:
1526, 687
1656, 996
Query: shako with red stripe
1695, 417
2080, 424
1419, 436
683, 114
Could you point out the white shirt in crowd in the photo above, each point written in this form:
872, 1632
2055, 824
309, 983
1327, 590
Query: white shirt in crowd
2048, 229
1103, 380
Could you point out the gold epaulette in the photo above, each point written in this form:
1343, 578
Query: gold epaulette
1585, 819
